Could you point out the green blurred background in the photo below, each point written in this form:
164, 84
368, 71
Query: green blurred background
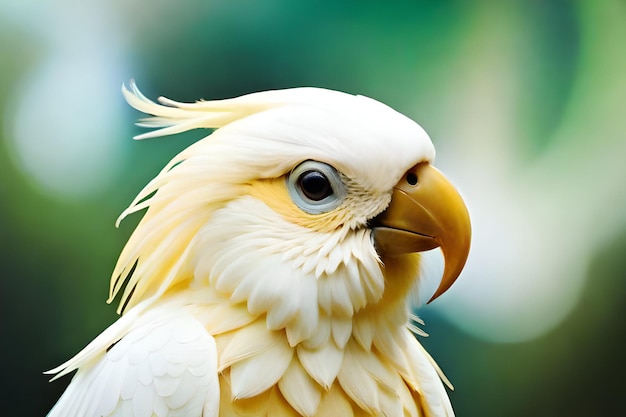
526, 104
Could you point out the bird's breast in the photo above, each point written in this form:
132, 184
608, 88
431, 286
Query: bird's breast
261, 374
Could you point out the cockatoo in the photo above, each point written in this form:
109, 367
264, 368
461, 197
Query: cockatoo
272, 272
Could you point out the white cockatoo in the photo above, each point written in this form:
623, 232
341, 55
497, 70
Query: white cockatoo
272, 272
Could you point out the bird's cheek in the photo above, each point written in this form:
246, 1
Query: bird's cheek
273, 192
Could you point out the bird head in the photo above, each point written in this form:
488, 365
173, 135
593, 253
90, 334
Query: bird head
303, 202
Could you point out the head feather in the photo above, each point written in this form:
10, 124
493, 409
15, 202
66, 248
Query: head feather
259, 135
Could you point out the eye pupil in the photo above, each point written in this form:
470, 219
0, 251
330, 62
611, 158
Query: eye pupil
315, 185
411, 178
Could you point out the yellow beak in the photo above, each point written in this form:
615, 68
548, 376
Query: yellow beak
425, 212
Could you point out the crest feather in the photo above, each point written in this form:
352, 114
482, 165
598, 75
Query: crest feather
171, 117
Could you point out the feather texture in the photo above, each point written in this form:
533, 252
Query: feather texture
300, 390
322, 363
239, 303
256, 374
165, 367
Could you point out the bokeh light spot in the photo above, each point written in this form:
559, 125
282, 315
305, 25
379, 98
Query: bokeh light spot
68, 139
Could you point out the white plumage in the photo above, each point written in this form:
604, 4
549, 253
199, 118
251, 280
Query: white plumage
164, 364
237, 300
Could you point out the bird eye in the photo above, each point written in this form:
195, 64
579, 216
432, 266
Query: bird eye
315, 187
411, 178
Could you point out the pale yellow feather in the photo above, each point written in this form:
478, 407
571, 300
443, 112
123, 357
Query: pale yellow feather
300, 390
308, 320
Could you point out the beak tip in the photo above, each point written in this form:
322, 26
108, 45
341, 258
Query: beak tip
454, 265
437, 293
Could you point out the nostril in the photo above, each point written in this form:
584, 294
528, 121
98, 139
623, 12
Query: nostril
411, 178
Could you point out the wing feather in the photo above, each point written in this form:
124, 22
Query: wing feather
165, 367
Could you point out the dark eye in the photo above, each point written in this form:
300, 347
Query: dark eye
411, 178
315, 187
